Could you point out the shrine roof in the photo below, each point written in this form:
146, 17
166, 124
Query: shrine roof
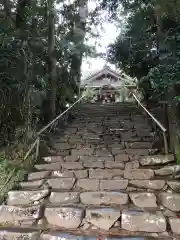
106, 70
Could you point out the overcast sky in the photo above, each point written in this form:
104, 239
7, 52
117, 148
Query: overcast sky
107, 36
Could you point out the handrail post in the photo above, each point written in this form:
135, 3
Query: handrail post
37, 148
30, 150
165, 143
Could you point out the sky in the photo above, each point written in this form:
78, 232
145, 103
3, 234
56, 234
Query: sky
107, 35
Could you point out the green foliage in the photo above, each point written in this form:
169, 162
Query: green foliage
24, 62
177, 154
149, 49
88, 94
12, 164
25, 72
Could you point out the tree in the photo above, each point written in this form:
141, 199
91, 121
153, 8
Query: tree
149, 50
51, 60
42, 45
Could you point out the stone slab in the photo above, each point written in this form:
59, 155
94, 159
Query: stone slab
143, 132
122, 158
96, 158
139, 145
132, 165
80, 174
175, 225
138, 152
82, 152
111, 185
53, 159
64, 217
125, 136
170, 201
76, 140
71, 158
72, 165
64, 174
16, 216
117, 145
106, 198
113, 164
63, 153
64, 197
174, 185
48, 167
139, 221
97, 164
139, 174
61, 183
117, 151
32, 185
25, 197
103, 218
156, 160
61, 146
65, 236
38, 175
105, 173
102, 152
148, 184
11, 235
168, 170
143, 200
88, 184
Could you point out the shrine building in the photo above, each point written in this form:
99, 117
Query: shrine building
109, 85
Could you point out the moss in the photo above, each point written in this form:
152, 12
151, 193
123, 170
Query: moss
177, 154
6, 224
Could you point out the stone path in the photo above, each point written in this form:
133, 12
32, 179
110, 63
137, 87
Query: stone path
106, 181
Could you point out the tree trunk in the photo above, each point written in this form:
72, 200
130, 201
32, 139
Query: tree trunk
7, 8
157, 12
51, 61
79, 35
172, 121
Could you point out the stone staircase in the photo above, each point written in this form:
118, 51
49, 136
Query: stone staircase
104, 182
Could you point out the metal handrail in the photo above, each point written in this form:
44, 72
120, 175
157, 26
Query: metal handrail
59, 116
164, 130
36, 143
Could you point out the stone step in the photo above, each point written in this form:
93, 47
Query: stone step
106, 167
17, 235
156, 160
133, 220
26, 197
57, 236
143, 221
79, 181
139, 145
102, 182
172, 170
35, 235
104, 192
18, 216
92, 151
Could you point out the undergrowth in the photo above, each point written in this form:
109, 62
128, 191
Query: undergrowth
177, 153
12, 164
